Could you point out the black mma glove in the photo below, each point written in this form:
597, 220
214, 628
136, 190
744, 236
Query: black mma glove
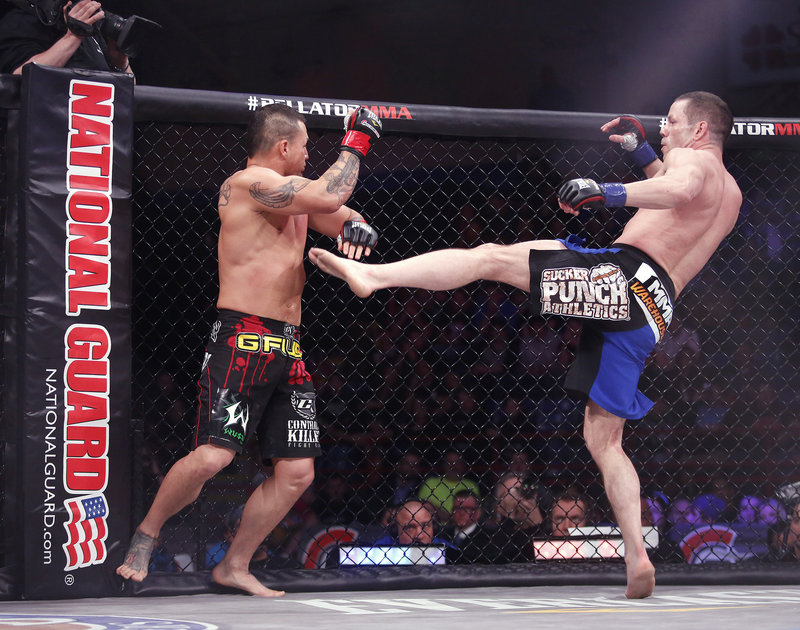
358, 232
634, 142
81, 29
362, 127
587, 194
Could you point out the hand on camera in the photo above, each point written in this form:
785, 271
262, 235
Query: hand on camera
81, 17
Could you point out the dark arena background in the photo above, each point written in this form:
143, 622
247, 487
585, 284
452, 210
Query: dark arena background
441, 387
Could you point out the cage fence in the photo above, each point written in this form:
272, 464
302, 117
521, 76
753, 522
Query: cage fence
440, 409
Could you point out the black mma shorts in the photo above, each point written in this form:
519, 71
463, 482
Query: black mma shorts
254, 382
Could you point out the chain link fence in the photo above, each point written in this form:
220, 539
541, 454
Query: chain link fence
455, 398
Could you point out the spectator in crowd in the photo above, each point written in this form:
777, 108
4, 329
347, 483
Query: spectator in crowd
451, 343
275, 552
680, 337
656, 508
158, 395
653, 516
73, 40
166, 427
516, 459
712, 508
466, 517
518, 519
683, 516
469, 227
683, 512
516, 499
413, 422
493, 362
414, 524
445, 410
540, 353
771, 513
337, 502
304, 508
399, 486
479, 540
440, 489
215, 551
720, 486
570, 509
468, 419
750, 509
711, 407
511, 419
784, 540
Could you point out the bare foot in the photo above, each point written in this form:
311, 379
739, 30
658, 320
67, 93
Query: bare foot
353, 273
243, 580
641, 580
138, 557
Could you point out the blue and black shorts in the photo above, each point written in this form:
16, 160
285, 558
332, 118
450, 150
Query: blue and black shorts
626, 300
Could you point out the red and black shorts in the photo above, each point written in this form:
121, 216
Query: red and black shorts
254, 382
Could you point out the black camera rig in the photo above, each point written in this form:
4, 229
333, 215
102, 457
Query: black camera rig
128, 33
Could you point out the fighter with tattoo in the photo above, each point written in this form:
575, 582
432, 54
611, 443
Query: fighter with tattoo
254, 381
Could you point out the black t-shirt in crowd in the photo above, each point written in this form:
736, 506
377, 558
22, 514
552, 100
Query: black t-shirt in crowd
22, 36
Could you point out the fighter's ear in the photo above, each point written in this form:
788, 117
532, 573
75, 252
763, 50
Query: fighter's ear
283, 147
701, 129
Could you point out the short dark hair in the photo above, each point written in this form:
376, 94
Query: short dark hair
572, 493
463, 494
271, 124
711, 108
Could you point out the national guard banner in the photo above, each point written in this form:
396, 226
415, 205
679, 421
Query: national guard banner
74, 342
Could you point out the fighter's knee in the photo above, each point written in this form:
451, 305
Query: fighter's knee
209, 459
599, 442
296, 475
492, 257
593, 444
489, 250
304, 478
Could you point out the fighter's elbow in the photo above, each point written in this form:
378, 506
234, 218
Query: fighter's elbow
331, 206
682, 196
324, 206
684, 192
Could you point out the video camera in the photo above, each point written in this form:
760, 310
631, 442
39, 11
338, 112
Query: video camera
128, 33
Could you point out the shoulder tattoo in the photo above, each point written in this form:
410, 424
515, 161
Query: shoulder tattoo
279, 196
225, 193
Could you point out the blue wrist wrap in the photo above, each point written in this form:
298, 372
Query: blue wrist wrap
615, 195
643, 155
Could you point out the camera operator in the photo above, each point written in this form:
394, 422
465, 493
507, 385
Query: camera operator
70, 40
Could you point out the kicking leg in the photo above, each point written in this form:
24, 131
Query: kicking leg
180, 487
603, 433
440, 270
265, 508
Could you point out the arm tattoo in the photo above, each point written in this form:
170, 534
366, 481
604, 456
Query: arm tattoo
342, 176
225, 193
278, 197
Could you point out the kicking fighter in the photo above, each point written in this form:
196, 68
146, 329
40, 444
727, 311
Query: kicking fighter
254, 381
625, 293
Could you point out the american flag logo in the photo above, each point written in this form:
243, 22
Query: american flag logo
86, 531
